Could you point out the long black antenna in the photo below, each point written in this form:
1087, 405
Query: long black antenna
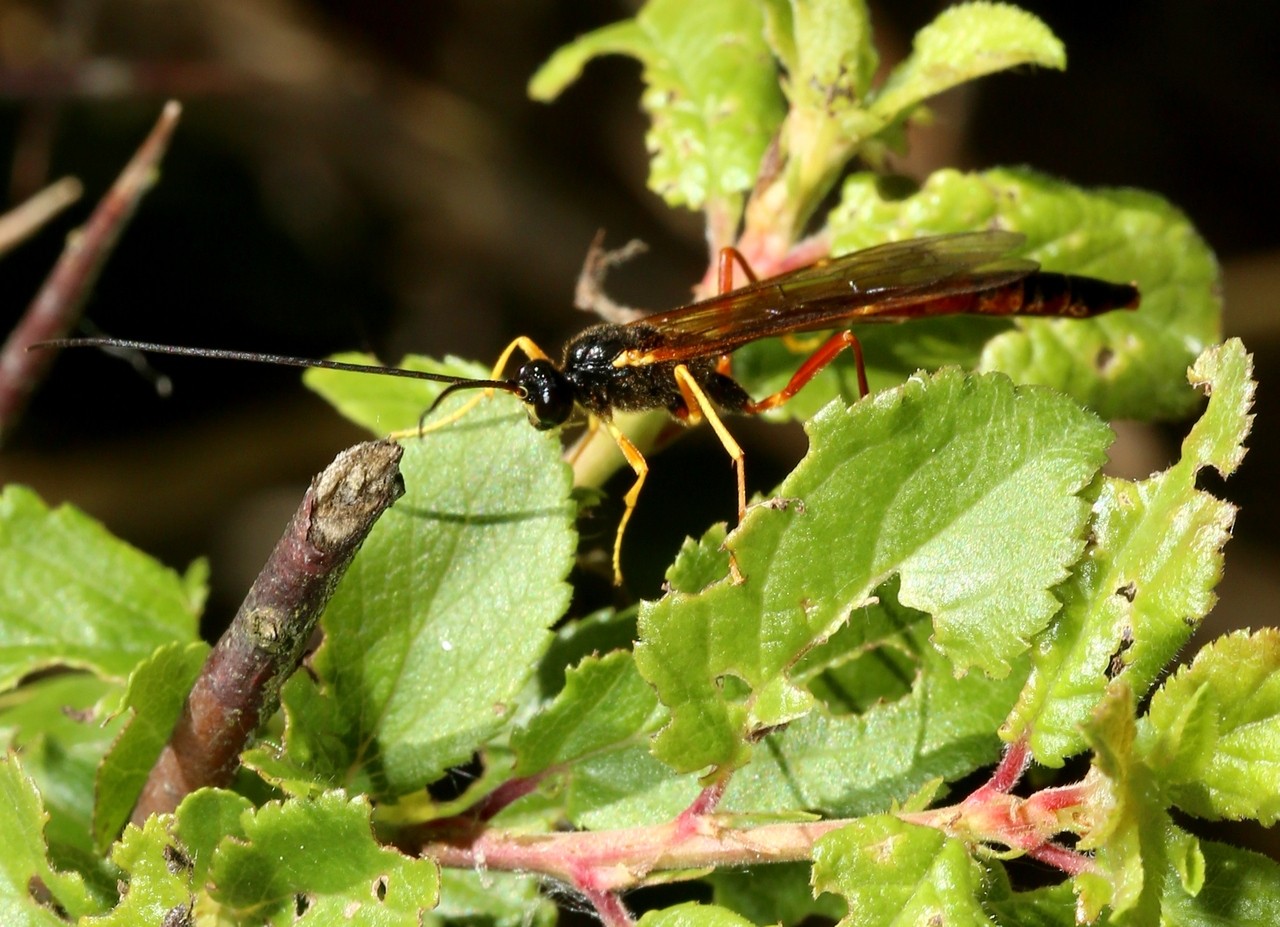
278, 359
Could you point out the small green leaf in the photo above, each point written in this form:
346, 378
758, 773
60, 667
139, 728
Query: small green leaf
604, 704
964, 487
711, 92
777, 894
1132, 834
827, 50
694, 914
491, 899
443, 616
700, 563
892, 873
318, 746
1154, 558
205, 818
77, 597
966, 41
1240, 887
157, 877
24, 863
1214, 728
153, 701
53, 723
1052, 906
596, 736
323, 851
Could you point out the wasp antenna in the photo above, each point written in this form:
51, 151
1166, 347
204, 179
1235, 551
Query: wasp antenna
505, 385
276, 359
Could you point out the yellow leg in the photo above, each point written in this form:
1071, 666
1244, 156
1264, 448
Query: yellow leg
641, 467
593, 426
523, 344
700, 406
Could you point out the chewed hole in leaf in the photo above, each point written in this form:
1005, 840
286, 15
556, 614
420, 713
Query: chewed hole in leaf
40, 894
457, 779
735, 689
872, 658
1119, 658
1103, 360
380, 888
881, 674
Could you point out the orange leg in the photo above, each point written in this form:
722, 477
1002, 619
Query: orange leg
813, 366
725, 261
724, 283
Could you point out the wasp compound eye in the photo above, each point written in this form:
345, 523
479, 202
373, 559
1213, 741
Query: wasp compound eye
548, 394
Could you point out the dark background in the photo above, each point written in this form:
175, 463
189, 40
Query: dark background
371, 175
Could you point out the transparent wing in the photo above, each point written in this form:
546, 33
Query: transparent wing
889, 282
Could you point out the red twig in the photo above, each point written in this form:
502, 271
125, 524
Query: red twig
240, 683
613, 861
56, 307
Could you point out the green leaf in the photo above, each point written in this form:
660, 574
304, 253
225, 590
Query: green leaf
322, 851
53, 723
1240, 887
711, 91
1213, 729
852, 763
1154, 558
157, 877
700, 563
626, 787
153, 701
1052, 906
113, 605
24, 864
966, 41
595, 738
1132, 833
443, 616
965, 487
604, 704
599, 632
491, 899
893, 873
1122, 364
386, 404
826, 48
318, 747
777, 894
694, 914
203, 820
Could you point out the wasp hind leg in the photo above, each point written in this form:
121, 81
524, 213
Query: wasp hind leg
816, 362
